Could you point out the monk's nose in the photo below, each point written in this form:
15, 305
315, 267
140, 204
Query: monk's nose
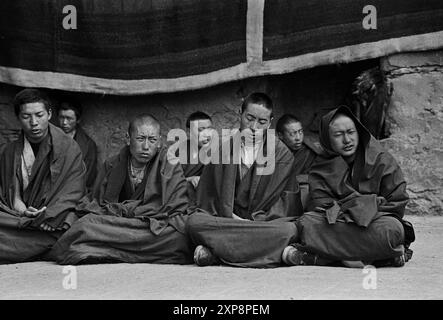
253, 126
34, 121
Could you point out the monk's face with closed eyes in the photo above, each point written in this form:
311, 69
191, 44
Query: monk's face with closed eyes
34, 118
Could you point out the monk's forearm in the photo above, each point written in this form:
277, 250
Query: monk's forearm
19, 205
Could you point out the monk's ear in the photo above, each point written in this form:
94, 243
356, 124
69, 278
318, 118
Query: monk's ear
49, 114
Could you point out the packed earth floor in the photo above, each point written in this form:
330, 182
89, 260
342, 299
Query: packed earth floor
421, 278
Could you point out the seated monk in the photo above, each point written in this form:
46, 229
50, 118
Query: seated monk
199, 126
41, 181
290, 131
137, 209
245, 215
358, 199
69, 117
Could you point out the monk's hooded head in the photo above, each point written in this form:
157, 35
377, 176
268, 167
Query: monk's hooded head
341, 133
144, 139
32, 108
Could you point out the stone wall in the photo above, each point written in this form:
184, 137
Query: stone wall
415, 124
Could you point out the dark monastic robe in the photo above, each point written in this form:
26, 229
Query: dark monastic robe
190, 170
89, 152
303, 160
124, 225
357, 210
271, 196
268, 203
57, 182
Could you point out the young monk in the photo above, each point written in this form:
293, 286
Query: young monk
137, 209
244, 215
42, 177
69, 118
358, 201
290, 131
200, 129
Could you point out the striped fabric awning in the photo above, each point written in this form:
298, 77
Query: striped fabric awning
129, 47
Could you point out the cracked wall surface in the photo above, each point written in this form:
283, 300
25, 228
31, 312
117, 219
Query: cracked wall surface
415, 123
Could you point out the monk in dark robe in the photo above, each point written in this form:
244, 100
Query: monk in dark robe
245, 213
137, 209
200, 129
358, 201
41, 181
69, 117
290, 131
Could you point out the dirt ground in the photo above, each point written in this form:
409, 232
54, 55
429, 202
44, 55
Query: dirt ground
421, 278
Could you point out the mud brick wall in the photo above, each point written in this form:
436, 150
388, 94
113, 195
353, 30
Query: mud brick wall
415, 119
415, 123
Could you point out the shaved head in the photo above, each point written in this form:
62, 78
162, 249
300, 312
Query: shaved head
143, 119
144, 139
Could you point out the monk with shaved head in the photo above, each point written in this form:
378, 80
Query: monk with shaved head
137, 209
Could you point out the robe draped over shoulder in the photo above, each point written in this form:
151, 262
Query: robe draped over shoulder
133, 224
89, 152
373, 186
57, 182
274, 195
160, 200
